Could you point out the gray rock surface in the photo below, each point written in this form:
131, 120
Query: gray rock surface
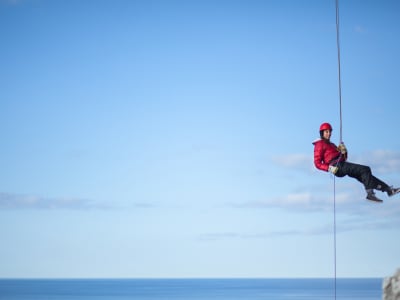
391, 287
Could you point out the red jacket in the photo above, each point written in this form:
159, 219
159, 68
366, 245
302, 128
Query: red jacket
325, 153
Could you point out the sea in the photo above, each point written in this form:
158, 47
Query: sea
191, 289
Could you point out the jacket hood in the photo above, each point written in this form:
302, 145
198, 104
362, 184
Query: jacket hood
316, 141
321, 140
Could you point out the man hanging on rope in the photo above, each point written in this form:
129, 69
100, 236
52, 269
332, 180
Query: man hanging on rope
329, 158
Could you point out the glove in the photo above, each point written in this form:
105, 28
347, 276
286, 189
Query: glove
333, 169
342, 148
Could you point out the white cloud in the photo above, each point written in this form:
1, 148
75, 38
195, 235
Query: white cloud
304, 201
10, 2
243, 235
348, 194
352, 209
16, 201
359, 216
321, 230
382, 161
295, 161
377, 223
9, 201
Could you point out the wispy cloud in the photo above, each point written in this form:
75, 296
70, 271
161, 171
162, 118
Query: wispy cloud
17, 201
294, 161
325, 229
366, 223
11, 201
321, 230
237, 235
303, 201
10, 2
349, 201
356, 223
352, 209
382, 161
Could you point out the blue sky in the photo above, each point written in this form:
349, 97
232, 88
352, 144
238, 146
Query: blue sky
173, 138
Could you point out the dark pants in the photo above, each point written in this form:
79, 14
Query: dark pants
362, 174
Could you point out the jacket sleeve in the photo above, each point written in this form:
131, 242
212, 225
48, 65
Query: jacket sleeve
319, 157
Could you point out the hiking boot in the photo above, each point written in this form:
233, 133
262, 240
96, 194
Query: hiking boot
372, 197
392, 191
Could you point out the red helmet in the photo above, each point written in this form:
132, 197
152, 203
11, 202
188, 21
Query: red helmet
325, 126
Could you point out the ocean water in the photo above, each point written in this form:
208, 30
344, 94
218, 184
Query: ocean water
190, 289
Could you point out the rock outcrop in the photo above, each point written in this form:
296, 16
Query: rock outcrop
391, 287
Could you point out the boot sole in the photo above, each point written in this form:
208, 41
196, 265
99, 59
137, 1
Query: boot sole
375, 200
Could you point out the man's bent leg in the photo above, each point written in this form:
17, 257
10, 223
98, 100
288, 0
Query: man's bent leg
363, 174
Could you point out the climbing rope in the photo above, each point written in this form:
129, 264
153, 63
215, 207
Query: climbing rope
341, 137
334, 227
339, 70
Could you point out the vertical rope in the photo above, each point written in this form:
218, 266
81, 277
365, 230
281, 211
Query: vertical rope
334, 229
341, 138
339, 69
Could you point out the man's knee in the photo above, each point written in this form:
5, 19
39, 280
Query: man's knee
366, 169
